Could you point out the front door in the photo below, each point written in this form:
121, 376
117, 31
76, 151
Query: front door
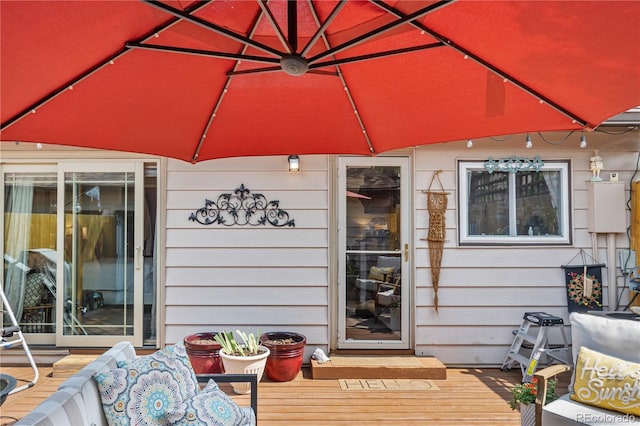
374, 263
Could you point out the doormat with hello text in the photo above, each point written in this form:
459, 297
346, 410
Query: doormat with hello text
387, 385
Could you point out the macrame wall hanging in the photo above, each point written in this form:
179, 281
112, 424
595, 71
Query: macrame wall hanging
437, 207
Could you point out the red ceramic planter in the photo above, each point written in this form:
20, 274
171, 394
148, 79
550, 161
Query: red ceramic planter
204, 357
285, 360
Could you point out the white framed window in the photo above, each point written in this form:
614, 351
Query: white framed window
515, 207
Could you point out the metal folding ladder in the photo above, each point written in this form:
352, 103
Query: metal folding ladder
16, 338
543, 322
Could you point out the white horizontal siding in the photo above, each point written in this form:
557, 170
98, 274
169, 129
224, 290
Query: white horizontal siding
241, 237
269, 276
246, 316
281, 278
250, 278
250, 296
245, 257
484, 291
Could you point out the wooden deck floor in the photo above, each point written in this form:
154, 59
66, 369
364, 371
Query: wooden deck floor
467, 396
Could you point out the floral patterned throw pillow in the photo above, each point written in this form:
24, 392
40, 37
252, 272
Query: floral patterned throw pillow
211, 407
144, 390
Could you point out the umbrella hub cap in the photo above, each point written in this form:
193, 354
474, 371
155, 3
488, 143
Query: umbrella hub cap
294, 65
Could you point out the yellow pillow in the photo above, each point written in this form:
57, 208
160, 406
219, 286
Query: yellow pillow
607, 382
380, 274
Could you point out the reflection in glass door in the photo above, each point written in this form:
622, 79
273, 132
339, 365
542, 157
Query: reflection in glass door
374, 256
102, 299
29, 248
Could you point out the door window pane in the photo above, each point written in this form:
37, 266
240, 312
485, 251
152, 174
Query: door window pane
99, 246
373, 263
29, 249
373, 203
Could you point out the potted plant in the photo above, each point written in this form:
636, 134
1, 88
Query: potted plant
286, 354
203, 352
249, 357
523, 396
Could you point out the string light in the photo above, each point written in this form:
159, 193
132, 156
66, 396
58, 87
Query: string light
583, 141
469, 143
529, 144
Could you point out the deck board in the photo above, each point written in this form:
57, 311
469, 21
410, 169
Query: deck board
467, 396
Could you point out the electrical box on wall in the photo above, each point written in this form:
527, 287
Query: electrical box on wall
606, 206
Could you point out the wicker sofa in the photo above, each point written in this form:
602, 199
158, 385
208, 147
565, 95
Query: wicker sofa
596, 338
78, 400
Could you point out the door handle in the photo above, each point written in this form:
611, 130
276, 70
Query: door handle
406, 252
138, 254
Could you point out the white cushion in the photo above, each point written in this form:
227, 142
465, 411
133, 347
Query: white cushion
564, 411
612, 336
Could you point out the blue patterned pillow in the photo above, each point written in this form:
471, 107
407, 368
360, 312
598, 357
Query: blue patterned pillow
144, 390
210, 407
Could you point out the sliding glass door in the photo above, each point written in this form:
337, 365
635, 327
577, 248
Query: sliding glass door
79, 251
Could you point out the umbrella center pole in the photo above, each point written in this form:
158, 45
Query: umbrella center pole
294, 65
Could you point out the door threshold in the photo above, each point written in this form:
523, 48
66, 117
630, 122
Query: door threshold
378, 352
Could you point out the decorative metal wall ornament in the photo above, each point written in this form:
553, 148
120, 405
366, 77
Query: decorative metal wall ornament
242, 208
513, 164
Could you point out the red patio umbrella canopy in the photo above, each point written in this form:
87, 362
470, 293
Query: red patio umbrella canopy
382, 75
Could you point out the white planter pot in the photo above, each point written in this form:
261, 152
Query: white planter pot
244, 365
527, 414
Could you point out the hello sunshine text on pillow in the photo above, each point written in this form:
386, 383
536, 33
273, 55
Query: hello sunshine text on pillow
607, 382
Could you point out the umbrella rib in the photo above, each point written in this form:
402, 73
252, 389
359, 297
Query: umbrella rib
292, 23
255, 71
89, 72
199, 52
323, 27
272, 20
486, 65
344, 84
377, 55
215, 28
380, 30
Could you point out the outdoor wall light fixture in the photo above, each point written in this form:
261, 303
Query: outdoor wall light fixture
529, 144
294, 163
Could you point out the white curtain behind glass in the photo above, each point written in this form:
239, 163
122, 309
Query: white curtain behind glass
18, 212
551, 178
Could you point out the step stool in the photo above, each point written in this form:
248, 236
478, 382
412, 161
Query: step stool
528, 364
